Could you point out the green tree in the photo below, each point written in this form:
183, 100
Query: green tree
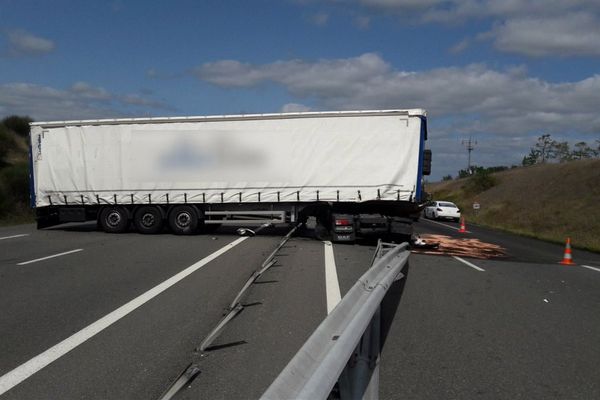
18, 124
497, 168
562, 152
481, 180
463, 173
544, 147
582, 150
447, 178
532, 158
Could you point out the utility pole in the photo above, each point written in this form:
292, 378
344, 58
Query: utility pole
470, 145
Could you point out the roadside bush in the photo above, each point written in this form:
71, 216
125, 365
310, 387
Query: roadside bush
14, 189
6, 143
16, 178
480, 182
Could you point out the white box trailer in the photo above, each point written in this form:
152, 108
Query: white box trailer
188, 172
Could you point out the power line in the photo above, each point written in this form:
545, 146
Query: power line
470, 145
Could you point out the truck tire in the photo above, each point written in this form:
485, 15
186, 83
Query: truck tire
114, 219
183, 220
148, 220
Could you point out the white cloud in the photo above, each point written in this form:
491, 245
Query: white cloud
320, 19
368, 81
478, 100
571, 34
460, 46
25, 43
297, 75
80, 101
362, 22
403, 4
527, 27
88, 91
294, 107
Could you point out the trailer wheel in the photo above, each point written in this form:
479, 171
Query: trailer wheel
183, 220
148, 220
114, 219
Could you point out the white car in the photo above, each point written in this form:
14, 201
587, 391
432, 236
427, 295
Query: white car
442, 209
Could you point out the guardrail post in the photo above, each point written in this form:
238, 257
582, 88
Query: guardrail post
360, 378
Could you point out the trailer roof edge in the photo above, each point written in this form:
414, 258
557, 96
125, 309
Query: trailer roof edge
238, 117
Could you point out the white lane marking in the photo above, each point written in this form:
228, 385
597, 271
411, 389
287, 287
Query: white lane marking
468, 263
25, 370
447, 226
594, 268
52, 256
332, 285
14, 236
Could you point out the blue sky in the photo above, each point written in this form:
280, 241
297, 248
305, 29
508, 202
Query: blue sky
503, 71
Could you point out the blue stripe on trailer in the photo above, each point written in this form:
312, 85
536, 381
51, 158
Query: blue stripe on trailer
31, 183
421, 148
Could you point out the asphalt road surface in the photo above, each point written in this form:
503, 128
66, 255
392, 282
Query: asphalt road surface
89, 315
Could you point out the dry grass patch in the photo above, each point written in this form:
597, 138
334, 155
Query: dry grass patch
550, 201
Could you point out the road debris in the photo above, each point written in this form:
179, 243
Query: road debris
461, 247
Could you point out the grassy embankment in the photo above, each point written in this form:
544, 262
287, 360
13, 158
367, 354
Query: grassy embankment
545, 201
14, 184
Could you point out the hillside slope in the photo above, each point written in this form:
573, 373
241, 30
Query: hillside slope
549, 201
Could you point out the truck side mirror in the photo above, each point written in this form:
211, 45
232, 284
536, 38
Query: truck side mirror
427, 162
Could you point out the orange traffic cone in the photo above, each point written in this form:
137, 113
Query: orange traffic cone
462, 225
567, 259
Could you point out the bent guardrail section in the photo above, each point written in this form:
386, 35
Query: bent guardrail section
345, 347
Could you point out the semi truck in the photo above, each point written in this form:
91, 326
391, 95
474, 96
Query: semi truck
358, 173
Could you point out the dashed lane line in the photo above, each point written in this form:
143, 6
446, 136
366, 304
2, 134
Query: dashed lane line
468, 263
593, 268
48, 257
14, 236
332, 285
27, 369
447, 226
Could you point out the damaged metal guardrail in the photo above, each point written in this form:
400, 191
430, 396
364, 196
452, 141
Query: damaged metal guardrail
193, 370
236, 305
345, 348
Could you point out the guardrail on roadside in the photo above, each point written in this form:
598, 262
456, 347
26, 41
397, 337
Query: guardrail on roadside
345, 348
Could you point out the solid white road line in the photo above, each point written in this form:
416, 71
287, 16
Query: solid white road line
447, 226
468, 263
14, 236
25, 370
594, 268
52, 256
332, 285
